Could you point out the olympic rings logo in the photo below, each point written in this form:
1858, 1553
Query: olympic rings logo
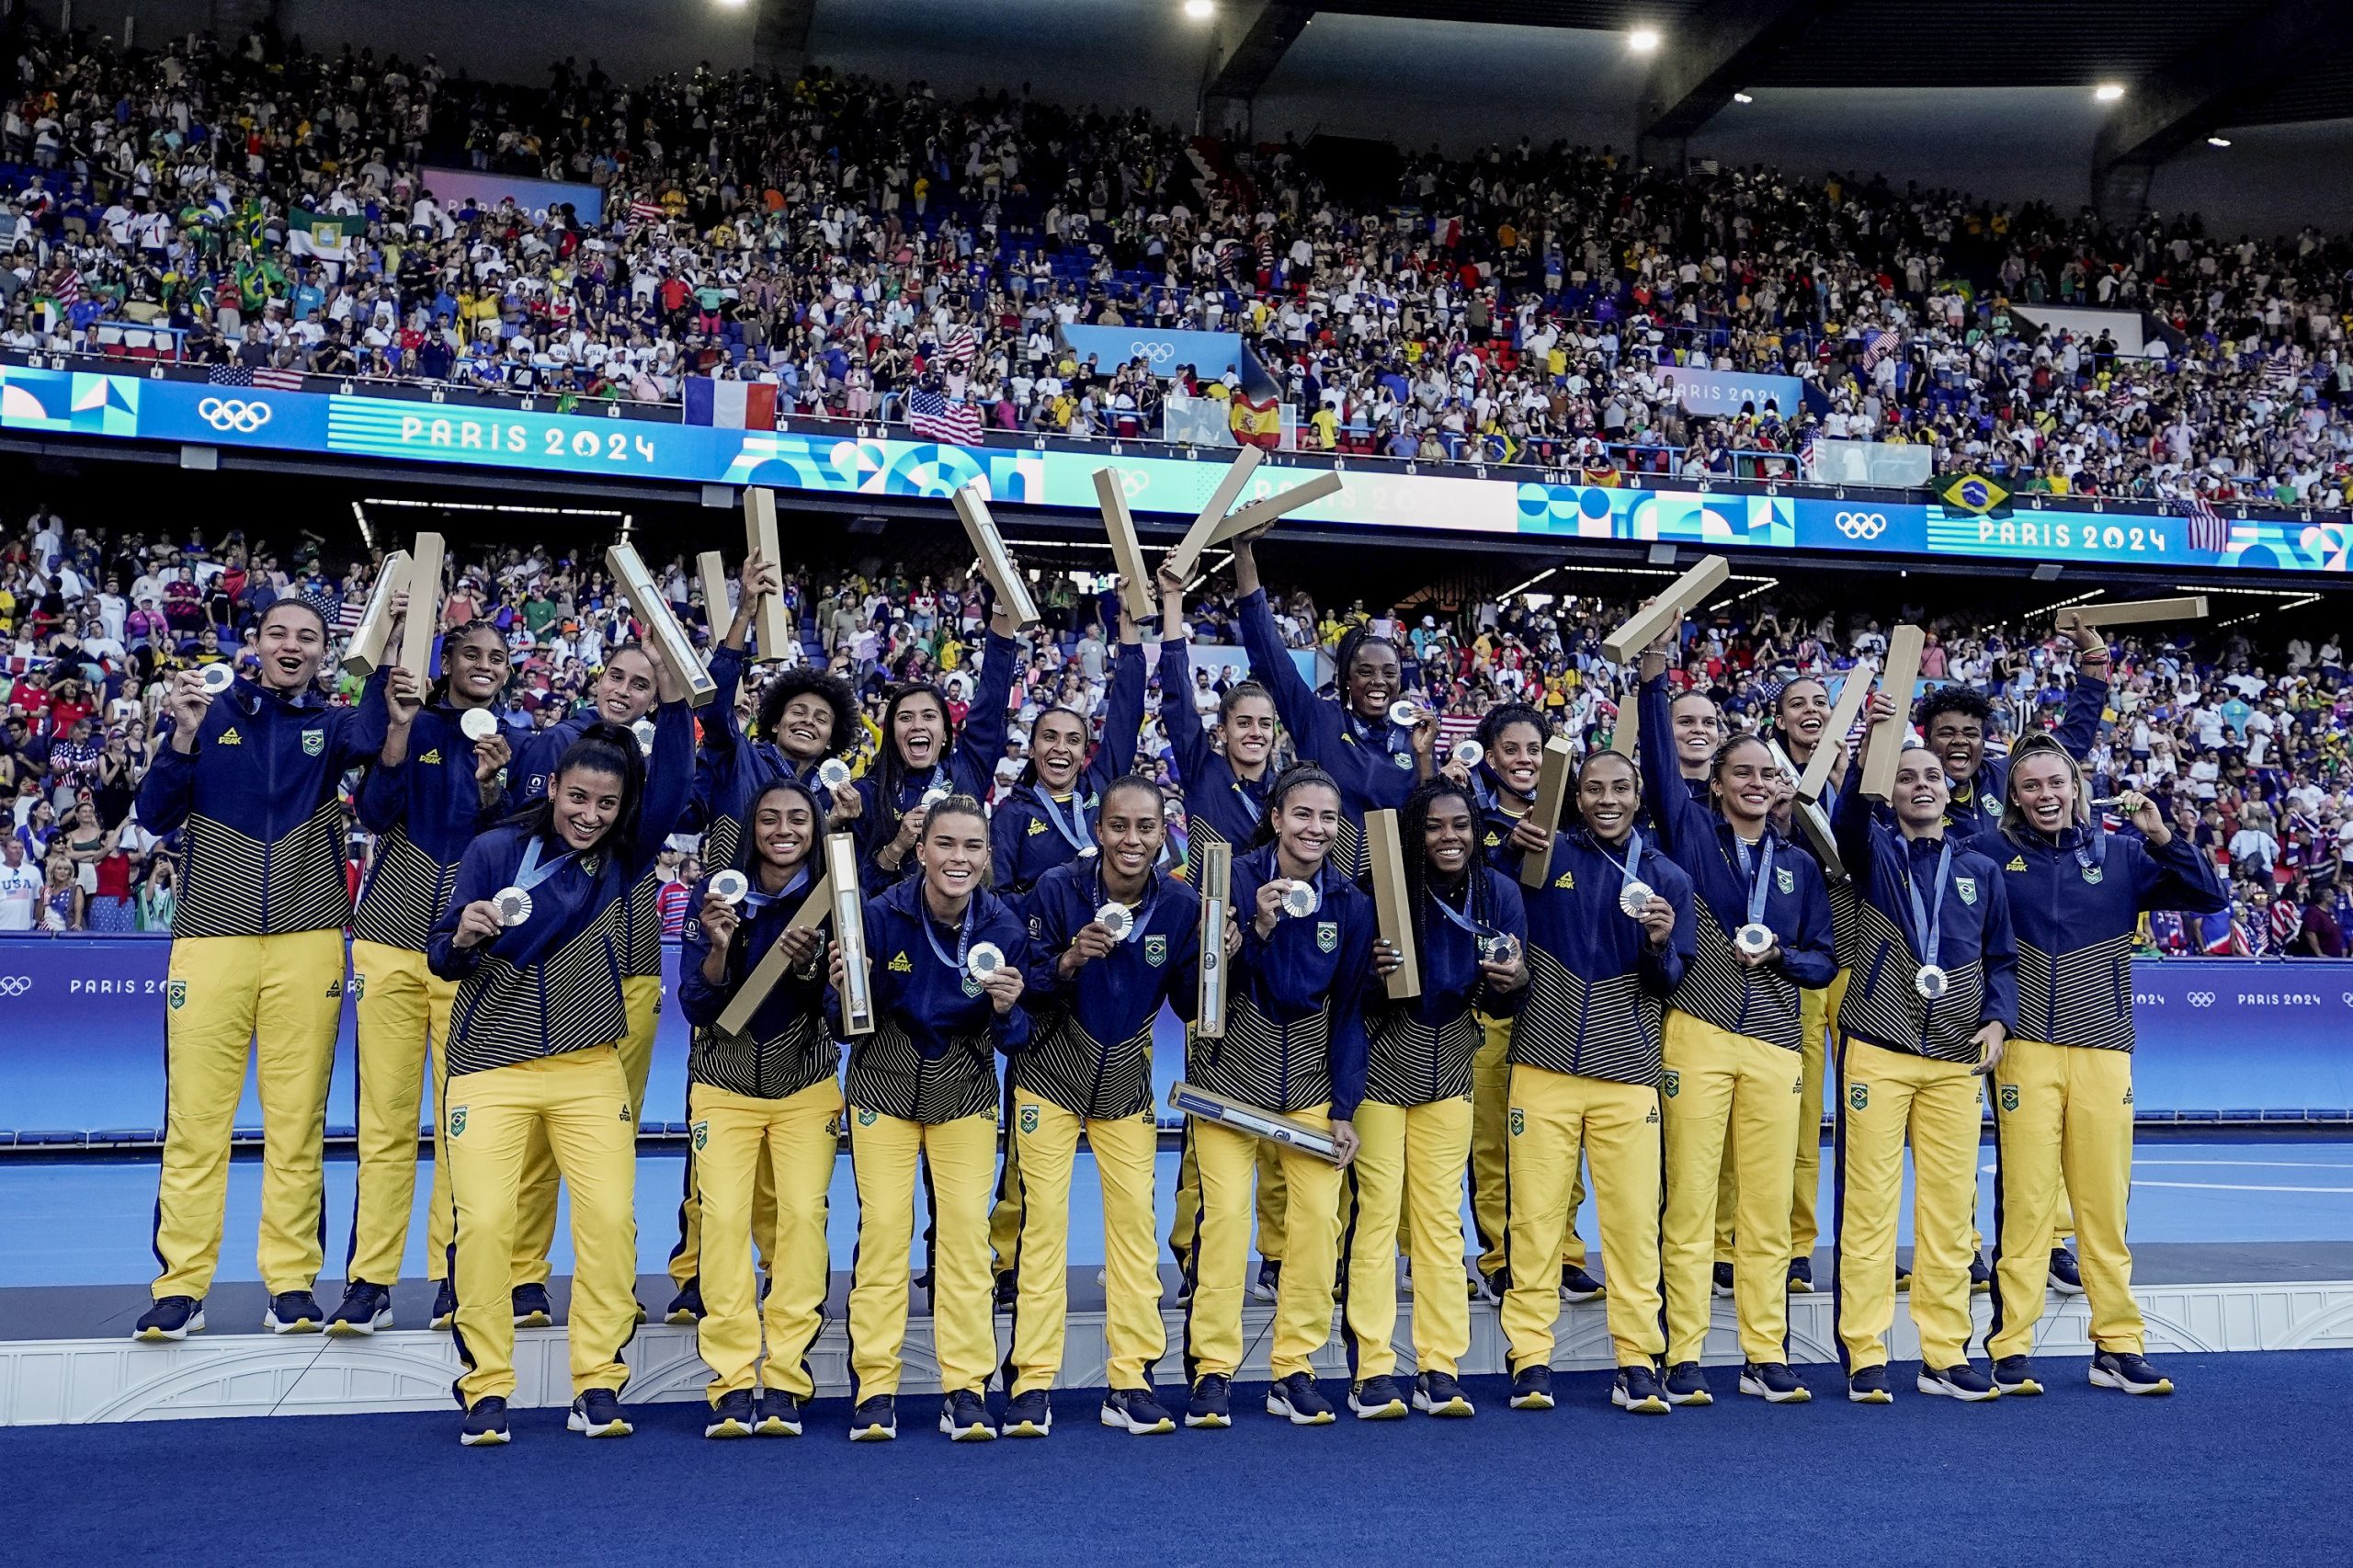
1154, 352
2201, 998
1861, 525
15, 985
233, 413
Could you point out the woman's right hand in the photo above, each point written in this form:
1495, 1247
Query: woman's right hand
187, 701
1269, 909
720, 920
477, 923
1092, 941
910, 829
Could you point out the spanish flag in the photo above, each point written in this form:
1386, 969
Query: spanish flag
1975, 494
1258, 424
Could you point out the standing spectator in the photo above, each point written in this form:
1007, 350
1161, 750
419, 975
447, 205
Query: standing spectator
20, 886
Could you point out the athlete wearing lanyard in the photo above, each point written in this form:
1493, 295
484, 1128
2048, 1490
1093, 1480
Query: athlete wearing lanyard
1414, 1127
625, 694
1732, 1045
1225, 800
434, 791
1294, 1043
924, 758
1609, 936
1112, 939
2063, 1093
533, 934
1936, 1001
923, 1090
764, 1111
1351, 737
805, 717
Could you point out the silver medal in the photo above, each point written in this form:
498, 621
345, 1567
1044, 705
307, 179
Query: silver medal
1469, 752
833, 773
1404, 713
643, 731
933, 796
1756, 939
1931, 982
217, 678
1497, 948
731, 886
1299, 900
478, 723
1117, 918
514, 905
1633, 898
985, 959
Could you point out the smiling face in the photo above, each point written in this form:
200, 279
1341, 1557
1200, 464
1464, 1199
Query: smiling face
1450, 835
1058, 745
1745, 785
476, 667
292, 643
1517, 755
1609, 792
1249, 730
1959, 740
1130, 827
805, 729
2044, 788
585, 801
955, 855
1698, 731
1374, 680
1921, 794
919, 730
1308, 824
625, 692
1802, 712
783, 827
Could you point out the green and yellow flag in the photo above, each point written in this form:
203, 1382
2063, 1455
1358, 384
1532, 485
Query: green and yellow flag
1975, 494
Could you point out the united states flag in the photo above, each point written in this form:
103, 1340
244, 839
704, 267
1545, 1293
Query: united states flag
943, 419
644, 212
2207, 528
1808, 451
278, 380
961, 346
1878, 346
68, 286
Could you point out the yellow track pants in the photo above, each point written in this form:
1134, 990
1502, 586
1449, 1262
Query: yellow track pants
1126, 1152
735, 1140
403, 1024
959, 1159
1551, 1118
1885, 1096
1311, 1234
1408, 1170
1817, 1010
1718, 1080
535, 1210
2062, 1113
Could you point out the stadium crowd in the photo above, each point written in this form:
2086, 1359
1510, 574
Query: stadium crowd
2245, 745
857, 245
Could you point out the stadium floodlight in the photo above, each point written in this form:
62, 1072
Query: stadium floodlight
1643, 40
1743, 98
2217, 140
2109, 92
1200, 10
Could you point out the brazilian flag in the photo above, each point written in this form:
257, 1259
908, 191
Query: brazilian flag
1974, 493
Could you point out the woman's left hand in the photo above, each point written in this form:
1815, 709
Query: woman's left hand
1510, 976
1386, 960
1345, 1142
1003, 987
1758, 961
1990, 1042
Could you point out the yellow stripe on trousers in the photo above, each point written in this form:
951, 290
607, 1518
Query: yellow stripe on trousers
278, 998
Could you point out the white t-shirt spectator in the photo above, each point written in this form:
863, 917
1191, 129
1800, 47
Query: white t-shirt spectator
19, 895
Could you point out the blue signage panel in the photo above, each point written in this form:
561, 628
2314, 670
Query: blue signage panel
1210, 354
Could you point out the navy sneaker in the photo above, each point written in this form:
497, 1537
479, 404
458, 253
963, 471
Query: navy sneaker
1637, 1390
597, 1414
965, 1417
875, 1420
1296, 1400
686, 1307
1802, 1276
1720, 1280
1493, 1287
1270, 1283
1437, 1393
1378, 1399
365, 1309
1212, 1402
174, 1317
1981, 1274
1578, 1287
293, 1312
2129, 1372
778, 1416
1008, 1290
485, 1425
732, 1417
1773, 1383
532, 1307
445, 1305
1136, 1413
2065, 1277
1960, 1380
1532, 1388
1868, 1385
1686, 1384
1027, 1415
2014, 1375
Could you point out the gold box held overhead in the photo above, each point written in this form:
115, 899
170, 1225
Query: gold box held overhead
996, 563
664, 635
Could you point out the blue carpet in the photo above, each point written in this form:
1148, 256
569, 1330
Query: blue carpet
2245, 1463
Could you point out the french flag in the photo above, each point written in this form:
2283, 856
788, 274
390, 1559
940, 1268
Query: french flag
730, 405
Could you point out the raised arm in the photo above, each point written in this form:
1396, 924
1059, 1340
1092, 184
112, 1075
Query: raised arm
1123, 714
669, 777
1684, 826
361, 738
981, 743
